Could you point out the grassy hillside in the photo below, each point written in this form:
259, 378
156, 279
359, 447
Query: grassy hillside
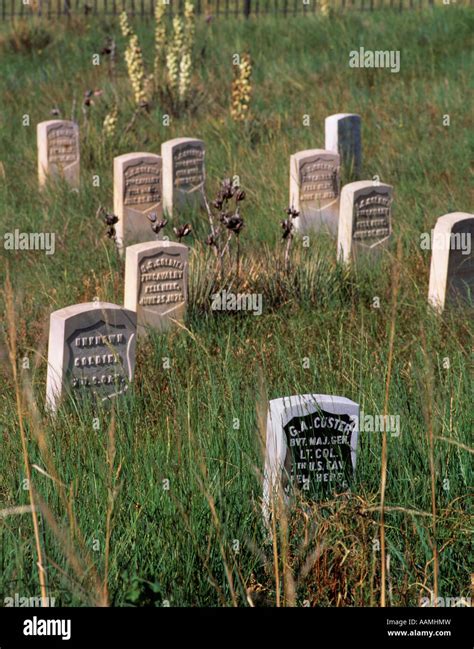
113, 528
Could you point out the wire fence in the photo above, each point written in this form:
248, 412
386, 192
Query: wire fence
10, 9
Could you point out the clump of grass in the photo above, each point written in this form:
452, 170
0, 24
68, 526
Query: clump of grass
27, 37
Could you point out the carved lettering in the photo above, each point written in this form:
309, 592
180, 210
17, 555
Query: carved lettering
155, 287
319, 181
372, 216
62, 145
188, 167
142, 184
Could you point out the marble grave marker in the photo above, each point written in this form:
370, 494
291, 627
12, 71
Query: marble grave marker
91, 351
58, 151
452, 261
156, 277
137, 193
311, 445
314, 190
183, 174
343, 135
364, 219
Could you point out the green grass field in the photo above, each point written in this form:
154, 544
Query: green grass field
113, 529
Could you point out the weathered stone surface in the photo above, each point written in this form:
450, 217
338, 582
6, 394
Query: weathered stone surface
91, 352
58, 151
183, 174
314, 190
156, 279
138, 192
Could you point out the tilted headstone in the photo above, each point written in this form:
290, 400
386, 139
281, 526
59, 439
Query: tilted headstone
343, 135
365, 219
183, 174
138, 191
311, 444
91, 351
156, 283
452, 261
58, 151
314, 190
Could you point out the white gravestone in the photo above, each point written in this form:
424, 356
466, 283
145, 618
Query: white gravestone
156, 283
183, 174
343, 135
91, 351
138, 191
311, 445
58, 151
452, 261
314, 190
365, 219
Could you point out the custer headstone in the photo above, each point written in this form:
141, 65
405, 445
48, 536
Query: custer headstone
311, 445
58, 151
343, 135
91, 352
138, 191
365, 219
452, 261
314, 190
183, 174
156, 279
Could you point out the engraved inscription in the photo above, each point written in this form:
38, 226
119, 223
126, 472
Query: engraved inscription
98, 359
319, 181
161, 281
62, 145
319, 451
142, 184
372, 216
188, 167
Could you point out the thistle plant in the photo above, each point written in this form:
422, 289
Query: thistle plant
230, 219
182, 231
110, 220
241, 90
156, 225
88, 102
110, 50
287, 235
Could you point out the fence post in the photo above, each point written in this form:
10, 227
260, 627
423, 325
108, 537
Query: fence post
247, 8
